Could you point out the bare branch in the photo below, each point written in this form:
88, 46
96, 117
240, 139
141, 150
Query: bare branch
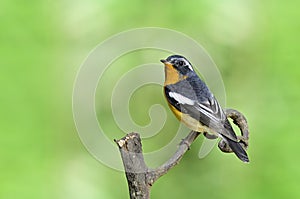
135, 168
174, 160
140, 178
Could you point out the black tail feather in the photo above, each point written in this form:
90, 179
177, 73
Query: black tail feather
238, 150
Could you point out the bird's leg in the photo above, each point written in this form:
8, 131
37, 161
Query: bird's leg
210, 136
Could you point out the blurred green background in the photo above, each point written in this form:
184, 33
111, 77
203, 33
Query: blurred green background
42, 44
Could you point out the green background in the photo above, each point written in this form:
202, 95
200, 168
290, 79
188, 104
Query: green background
43, 43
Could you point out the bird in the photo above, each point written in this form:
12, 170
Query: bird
194, 104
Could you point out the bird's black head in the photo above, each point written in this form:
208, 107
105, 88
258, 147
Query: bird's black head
180, 63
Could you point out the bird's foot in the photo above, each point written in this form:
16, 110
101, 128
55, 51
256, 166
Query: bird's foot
210, 136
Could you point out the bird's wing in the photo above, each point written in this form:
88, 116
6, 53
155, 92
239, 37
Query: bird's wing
195, 99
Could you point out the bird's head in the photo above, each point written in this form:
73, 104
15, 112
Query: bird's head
179, 63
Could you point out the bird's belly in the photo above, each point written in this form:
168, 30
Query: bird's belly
190, 122
193, 124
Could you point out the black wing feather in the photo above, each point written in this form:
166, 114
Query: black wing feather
205, 109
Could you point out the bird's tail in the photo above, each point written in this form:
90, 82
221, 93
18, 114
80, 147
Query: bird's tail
238, 150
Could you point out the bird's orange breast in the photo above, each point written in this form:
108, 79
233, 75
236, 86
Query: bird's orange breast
172, 76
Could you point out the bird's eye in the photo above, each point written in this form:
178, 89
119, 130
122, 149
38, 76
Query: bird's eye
180, 63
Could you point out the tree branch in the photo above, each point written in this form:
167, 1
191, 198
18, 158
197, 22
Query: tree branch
140, 178
174, 160
135, 167
239, 120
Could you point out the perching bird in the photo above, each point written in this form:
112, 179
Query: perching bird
193, 103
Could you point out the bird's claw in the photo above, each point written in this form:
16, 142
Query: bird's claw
210, 136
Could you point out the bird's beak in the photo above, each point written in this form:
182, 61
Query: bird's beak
166, 63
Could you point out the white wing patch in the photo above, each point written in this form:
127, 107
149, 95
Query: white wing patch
181, 99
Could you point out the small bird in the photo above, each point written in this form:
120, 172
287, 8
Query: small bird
194, 104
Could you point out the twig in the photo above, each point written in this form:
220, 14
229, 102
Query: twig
140, 178
174, 160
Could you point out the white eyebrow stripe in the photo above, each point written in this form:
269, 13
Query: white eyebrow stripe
187, 64
181, 99
190, 67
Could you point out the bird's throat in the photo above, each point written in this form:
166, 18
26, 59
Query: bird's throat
172, 76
